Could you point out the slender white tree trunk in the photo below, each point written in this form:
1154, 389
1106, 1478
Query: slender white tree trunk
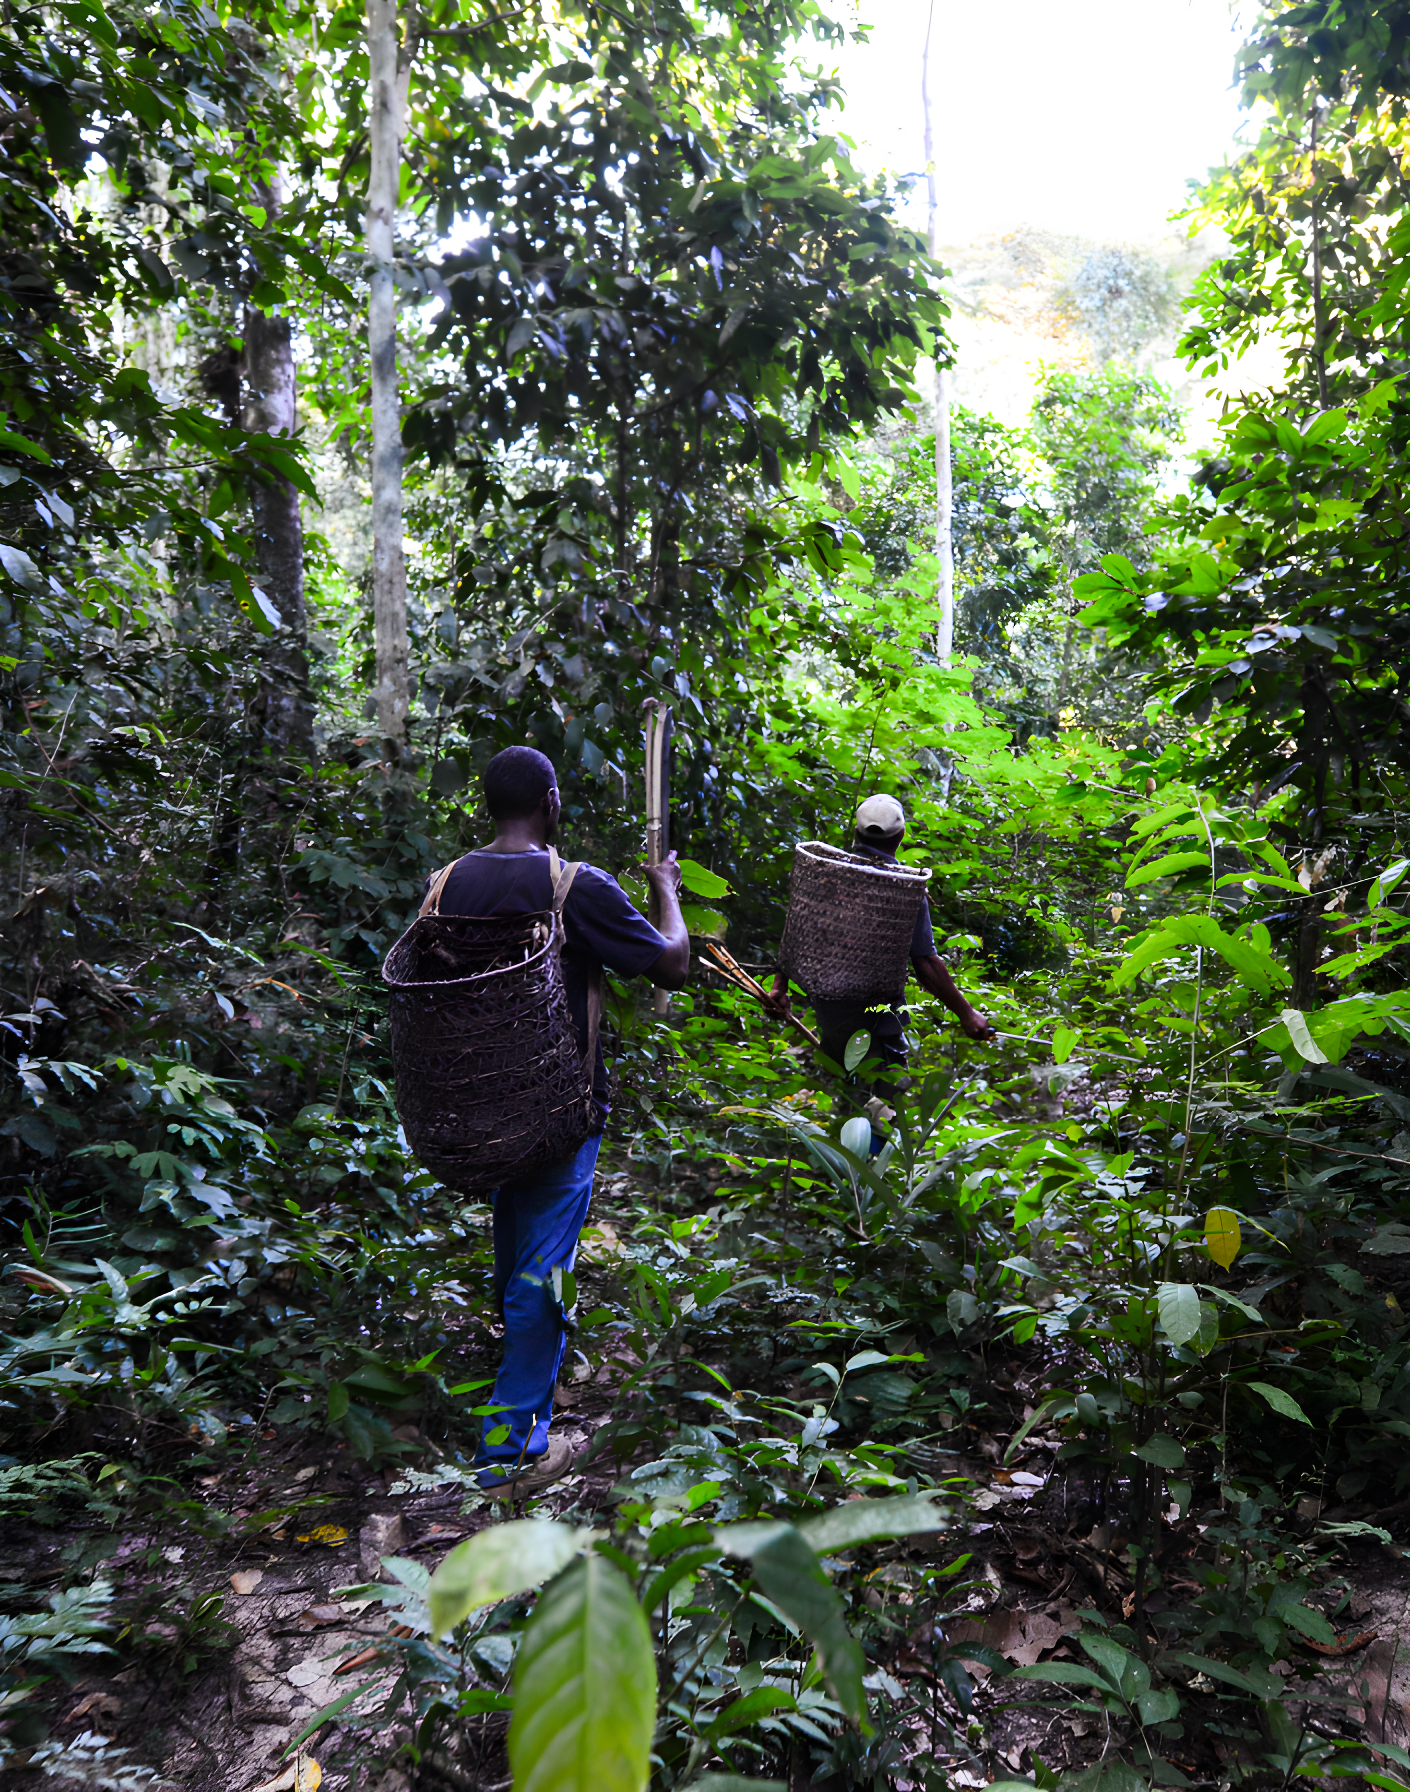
944, 488
387, 103
270, 404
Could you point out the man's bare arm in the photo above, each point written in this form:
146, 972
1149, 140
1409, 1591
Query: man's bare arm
933, 974
673, 966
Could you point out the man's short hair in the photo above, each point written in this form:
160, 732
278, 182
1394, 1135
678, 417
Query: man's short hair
516, 782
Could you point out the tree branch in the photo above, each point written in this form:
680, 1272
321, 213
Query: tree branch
466, 30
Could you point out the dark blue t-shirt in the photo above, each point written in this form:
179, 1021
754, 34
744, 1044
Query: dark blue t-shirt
600, 925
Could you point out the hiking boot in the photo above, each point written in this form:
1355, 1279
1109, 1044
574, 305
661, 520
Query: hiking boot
504, 1481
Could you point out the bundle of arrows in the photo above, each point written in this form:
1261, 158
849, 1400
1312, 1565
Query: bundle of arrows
735, 973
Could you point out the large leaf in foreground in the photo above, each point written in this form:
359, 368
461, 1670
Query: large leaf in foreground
584, 1687
496, 1564
860, 1521
788, 1573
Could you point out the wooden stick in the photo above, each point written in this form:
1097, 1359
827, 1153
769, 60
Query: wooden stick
737, 975
658, 799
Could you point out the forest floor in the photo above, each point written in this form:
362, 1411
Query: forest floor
235, 1635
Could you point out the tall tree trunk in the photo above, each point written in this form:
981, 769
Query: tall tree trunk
944, 485
270, 401
389, 75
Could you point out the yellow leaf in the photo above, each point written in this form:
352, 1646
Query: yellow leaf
1222, 1237
303, 1774
332, 1536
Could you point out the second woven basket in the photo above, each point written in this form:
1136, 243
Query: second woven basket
850, 920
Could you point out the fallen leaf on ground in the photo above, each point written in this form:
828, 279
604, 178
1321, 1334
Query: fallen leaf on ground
1020, 1636
300, 1776
1343, 1646
320, 1614
331, 1536
86, 1705
246, 1580
357, 1661
307, 1672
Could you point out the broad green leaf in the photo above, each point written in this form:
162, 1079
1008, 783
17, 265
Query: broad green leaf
1126, 1671
1170, 812
1167, 867
703, 923
1178, 1305
584, 1687
22, 445
865, 1359
1296, 1023
1279, 1401
1250, 959
1158, 1707
1254, 1679
1323, 428
1231, 1300
1163, 1451
763, 1701
1064, 1038
857, 1521
702, 882
1311, 1623
1392, 1240
496, 1564
1386, 882
19, 566
1223, 1236
856, 1137
856, 1050
788, 1574
1063, 1673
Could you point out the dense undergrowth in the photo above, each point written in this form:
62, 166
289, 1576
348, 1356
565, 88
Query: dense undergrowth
1147, 1246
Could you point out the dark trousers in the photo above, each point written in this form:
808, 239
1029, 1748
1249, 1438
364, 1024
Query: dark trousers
838, 1021
536, 1226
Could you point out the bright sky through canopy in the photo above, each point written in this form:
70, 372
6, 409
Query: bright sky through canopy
1080, 116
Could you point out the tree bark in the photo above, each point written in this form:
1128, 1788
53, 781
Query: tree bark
387, 105
944, 484
270, 406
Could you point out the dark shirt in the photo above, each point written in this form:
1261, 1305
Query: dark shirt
599, 923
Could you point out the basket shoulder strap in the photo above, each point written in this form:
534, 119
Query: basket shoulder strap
431, 904
563, 876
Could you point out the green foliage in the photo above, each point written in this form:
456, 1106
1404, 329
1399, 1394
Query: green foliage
584, 1687
495, 1565
639, 392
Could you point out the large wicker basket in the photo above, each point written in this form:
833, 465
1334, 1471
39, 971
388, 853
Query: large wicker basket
850, 920
490, 1080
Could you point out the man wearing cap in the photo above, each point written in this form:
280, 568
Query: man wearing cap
880, 829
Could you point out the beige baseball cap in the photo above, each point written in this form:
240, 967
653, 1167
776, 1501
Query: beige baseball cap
880, 817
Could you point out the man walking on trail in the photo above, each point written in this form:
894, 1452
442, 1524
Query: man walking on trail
537, 1219
880, 829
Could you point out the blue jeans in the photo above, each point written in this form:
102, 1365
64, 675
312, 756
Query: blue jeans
536, 1225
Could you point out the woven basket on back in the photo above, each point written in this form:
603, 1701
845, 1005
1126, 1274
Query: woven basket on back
490, 1080
850, 920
